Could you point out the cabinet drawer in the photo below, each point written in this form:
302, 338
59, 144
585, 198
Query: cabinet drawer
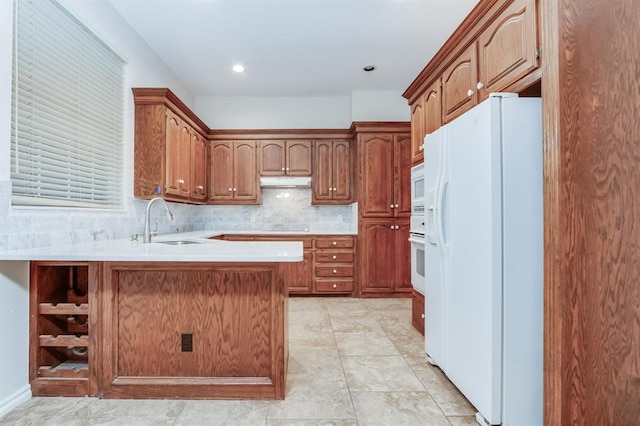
334, 242
334, 257
334, 286
334, 271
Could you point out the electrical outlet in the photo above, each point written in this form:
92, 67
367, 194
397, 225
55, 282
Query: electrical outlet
187, 342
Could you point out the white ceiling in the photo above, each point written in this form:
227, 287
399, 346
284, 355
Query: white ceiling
294, 47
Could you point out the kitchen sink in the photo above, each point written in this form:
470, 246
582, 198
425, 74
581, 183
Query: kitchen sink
178, 242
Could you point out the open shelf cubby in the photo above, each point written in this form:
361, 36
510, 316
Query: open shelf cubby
59, 343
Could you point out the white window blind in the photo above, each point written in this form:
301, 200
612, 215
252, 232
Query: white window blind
68, 110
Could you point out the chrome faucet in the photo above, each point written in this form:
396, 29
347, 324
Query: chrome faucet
147, 225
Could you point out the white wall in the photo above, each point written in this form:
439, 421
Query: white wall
301, 112
382, 105
39, 226
274, 112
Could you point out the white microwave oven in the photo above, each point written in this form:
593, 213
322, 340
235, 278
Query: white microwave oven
417, 190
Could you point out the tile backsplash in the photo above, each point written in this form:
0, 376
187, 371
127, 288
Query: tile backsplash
281, 210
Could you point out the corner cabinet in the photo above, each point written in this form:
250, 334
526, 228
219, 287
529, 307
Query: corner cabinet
284, 158
234, 178
170, 149
331, 180
63, 354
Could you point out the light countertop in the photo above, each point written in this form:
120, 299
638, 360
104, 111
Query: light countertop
206, 251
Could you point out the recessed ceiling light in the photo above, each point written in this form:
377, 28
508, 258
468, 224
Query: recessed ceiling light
238, 68
369, 68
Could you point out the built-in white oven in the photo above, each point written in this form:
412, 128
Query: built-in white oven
417, 227
417, 262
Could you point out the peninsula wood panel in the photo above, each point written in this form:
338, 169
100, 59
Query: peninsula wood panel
591, 102
507, 49
236, 314
227, 313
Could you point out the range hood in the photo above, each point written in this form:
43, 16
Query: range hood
285, 181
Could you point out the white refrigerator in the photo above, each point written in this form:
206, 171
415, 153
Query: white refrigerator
484, 257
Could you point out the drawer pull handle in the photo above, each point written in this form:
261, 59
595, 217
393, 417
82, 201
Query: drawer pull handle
335, 272
335, 257
422, 315
335, 286
335, 243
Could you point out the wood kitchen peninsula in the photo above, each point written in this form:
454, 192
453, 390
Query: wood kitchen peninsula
198, 319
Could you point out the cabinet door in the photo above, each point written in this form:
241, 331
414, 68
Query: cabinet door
459, 81
377, 254
271, 158
221, 187
432, 108
322, 179
298, 158
300, 274
507, 48
402, 166
376, 175
184, 161
245, 176
341, 171
417, 130
402, 262
172, 154
198, 167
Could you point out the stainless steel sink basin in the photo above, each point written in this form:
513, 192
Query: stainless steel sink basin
178, 242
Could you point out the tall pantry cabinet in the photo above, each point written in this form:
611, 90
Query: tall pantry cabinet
384, 207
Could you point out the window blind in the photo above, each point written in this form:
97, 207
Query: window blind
68, 111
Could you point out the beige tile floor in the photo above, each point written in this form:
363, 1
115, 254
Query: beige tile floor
352, 362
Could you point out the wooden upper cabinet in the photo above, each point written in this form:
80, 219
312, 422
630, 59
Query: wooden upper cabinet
280, 158
245, 172
418, 130
234, 178
507, 49
199, 161
376, 197
271, 158
298, 156
402, 172
331, 180
178, 157
459, 82
170, 151
432, 100
221, 185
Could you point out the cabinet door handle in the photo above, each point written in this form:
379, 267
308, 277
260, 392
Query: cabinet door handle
391, 206
282, 169
480, 85
234, 190
230, 189
200, 187
330, 189
334, 257
335, 189
391, 227
335, 286
335, 243
288, 168
470, 92
422, 316
421, 147
180, 180
335, 272
396, 206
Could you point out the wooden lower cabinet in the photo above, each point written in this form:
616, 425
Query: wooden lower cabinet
63, 328
194, 330
417, 311
384, 257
